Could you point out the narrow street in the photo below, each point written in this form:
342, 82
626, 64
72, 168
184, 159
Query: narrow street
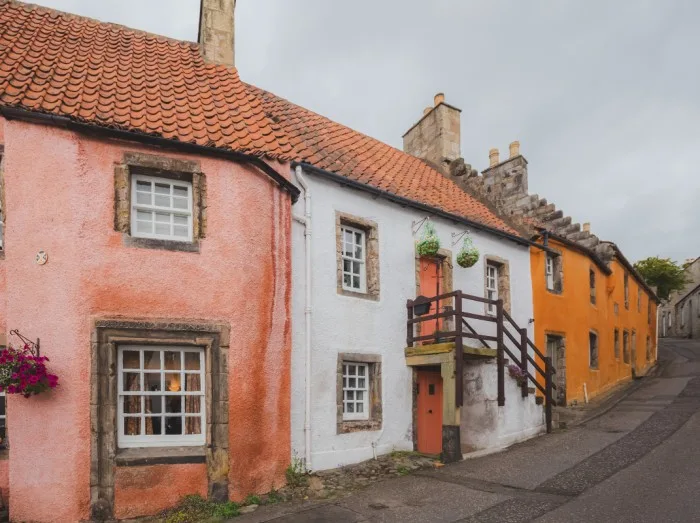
638, 462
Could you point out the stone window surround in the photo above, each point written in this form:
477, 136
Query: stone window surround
503, 280
374, 363
371, 255
107, 335
558, 262
163, 167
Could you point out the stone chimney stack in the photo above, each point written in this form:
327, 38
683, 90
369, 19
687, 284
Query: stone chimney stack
587, 227
217, 31
436, 136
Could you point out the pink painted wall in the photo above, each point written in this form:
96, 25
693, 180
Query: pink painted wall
60, 198
130, 484
4, 464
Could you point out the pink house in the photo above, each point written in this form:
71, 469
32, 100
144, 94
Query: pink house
156, 190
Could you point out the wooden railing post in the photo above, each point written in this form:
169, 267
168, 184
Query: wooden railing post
523, 361
548, 392
409, 325
500, 357
459, 353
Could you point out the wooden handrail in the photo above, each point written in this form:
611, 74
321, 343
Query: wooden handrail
466, 324
421, 319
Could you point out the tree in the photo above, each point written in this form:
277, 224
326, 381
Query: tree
663, 273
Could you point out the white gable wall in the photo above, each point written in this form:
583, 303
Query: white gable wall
342, 324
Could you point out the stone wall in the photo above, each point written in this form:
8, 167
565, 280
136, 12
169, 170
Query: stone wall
216, 31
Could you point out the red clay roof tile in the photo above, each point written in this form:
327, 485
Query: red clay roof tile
109, 75
333, 147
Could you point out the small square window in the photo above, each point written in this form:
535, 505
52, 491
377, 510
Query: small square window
161, 208
161, 396
355, 391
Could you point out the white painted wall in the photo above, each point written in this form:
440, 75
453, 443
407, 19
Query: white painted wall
345, 324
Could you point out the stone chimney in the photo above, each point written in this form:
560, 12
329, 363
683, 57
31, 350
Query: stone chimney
505, 181
436, 136
586, 227
217, 32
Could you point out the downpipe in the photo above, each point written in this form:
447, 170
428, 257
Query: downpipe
306, 221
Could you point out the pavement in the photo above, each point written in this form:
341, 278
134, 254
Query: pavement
633, 460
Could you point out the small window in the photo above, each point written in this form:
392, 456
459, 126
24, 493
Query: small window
353, 256
633, 346
591, 279
593, 349
549, 272
161, 208
626, 347
617, 344
649, 311
491, 286
627, 291
355, 391
616, 309
161, 396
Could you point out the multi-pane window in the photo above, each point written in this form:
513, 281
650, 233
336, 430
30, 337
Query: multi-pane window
161, 396
491, 286
593, 349
625, 347
353, 257
591, 280
355, 391
549, 272
161, 208
617, 344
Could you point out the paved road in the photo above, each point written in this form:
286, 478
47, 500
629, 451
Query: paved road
637, 463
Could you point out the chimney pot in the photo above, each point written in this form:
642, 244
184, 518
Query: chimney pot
427, 110
587, 227
493, 157
439, 98
514, 149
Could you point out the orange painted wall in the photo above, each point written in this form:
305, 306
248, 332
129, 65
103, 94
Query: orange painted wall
60, 198
164, 491
571, 314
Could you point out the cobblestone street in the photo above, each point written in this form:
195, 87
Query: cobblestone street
645, 443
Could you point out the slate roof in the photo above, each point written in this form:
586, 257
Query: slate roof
336, 148
112, 76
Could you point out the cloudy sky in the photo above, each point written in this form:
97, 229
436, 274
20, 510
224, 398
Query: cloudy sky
603, 96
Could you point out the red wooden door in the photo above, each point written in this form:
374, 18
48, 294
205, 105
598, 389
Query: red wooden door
429, 415
430, 287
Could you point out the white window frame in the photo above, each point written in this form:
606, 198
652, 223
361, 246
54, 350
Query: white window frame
172, 211
160, 440
549, 272
491, 286
352, 259
347, 390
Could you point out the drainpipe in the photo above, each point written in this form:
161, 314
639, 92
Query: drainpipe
307, 315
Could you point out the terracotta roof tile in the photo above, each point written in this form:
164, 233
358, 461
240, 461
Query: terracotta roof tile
109, 75
333, 147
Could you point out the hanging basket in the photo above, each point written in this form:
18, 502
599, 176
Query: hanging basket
429, 245
468, 254
24, 372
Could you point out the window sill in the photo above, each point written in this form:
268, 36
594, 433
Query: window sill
163, 245
350, 426
361, 295
138, 457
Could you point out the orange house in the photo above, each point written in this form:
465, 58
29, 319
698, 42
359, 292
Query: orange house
596, 317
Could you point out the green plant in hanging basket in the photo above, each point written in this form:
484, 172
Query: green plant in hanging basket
429, 245
468, 254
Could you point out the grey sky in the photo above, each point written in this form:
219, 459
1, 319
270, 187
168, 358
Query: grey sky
603, 96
